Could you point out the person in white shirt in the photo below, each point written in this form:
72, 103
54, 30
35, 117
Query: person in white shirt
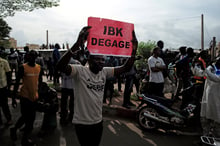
89, 82
5, 81
67, 92
156, 66
13, 60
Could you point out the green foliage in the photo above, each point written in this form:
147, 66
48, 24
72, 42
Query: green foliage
144, 50
4, 29
5, 43
9, 7
4, 33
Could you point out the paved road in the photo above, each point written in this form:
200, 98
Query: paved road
120, 129
117, 132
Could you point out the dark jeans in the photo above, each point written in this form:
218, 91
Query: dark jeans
156, 89
128, 89
187, 96
4, 103
109, 88
28, 113
65, 93
119, 78
56, 76
89, 135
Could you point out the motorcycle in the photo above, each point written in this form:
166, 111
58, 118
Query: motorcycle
210, 141
157, 112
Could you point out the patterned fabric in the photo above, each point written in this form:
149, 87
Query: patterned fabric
4, 67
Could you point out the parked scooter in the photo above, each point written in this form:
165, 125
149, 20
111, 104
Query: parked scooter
157, 112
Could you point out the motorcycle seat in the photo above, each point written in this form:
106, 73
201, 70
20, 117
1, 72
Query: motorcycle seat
163, 100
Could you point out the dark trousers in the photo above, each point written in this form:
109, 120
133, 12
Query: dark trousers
89, 135
128, 89
187, 96
65, 93
119, 78
56, 76
156, 89
4, 104
137, 84
28, 113
109, 88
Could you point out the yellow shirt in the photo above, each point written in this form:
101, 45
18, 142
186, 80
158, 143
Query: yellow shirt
29, 87
4, 67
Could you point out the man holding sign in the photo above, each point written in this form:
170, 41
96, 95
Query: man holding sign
89, 82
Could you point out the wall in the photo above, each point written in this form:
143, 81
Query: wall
49, 53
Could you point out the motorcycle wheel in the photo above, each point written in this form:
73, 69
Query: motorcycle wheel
144, 122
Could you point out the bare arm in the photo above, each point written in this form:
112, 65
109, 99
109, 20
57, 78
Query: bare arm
62, 64
129, 63
158, 68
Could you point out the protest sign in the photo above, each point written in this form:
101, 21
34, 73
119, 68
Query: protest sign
109, 37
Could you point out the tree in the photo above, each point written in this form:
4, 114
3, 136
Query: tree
4, 29
4, 33
144, 50
9, 7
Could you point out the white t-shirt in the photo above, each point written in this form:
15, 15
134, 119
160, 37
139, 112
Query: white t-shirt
67, 81
15, 60
156, 77
88, 93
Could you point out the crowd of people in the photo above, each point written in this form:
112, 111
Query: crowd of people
85, 87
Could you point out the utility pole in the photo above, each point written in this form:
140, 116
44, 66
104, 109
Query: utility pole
47, 39
213, 51
202, 32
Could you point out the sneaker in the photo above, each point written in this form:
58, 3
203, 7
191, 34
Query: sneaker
13, 134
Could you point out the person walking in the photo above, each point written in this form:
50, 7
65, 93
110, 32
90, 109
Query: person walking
56, 57
5, 81
13, 60
89, 82
30, 73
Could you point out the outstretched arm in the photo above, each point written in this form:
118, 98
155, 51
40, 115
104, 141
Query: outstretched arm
128, 64
62, 64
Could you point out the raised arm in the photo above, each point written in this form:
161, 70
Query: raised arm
62, 64
128, 64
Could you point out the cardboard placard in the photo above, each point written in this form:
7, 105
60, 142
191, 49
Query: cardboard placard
109, 37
